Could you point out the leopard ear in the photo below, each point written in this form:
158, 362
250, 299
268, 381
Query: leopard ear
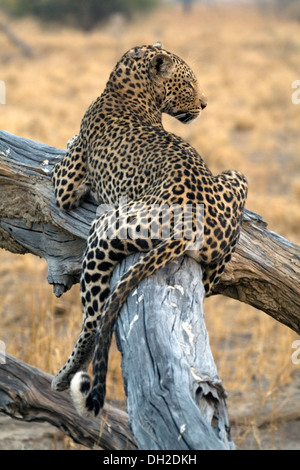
161, 66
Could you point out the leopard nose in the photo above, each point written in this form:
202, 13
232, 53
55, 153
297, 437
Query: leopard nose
203, 105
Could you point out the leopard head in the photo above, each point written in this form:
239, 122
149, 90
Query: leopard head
177, 87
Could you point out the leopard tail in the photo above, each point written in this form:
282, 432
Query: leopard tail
87, 400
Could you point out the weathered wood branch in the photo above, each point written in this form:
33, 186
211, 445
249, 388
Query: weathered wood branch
175, 399
264, 271
25, 48
25, 394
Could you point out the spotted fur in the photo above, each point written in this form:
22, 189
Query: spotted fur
123, 150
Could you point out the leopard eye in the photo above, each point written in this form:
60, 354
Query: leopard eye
190, 85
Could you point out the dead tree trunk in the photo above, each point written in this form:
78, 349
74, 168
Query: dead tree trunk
175, 399
169, 374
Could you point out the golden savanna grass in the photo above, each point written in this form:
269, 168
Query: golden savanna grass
246, 64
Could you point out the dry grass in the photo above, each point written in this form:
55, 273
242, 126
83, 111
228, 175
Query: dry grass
246, 64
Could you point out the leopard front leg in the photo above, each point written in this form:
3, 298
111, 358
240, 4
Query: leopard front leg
69, 176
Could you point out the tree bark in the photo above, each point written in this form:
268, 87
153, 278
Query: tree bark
175, 399
264, 271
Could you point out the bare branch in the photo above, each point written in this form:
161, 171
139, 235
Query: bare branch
25, 393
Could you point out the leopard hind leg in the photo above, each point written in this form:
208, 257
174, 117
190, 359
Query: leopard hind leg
100, 258
212, 273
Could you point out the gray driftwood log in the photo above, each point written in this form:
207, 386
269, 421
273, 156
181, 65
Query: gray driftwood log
264, 273
25, 394
175, 399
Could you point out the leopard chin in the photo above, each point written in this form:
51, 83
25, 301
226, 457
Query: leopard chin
187, 116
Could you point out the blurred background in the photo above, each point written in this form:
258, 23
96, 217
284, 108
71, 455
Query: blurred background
55, 59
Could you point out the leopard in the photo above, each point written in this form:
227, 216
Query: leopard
129, 163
